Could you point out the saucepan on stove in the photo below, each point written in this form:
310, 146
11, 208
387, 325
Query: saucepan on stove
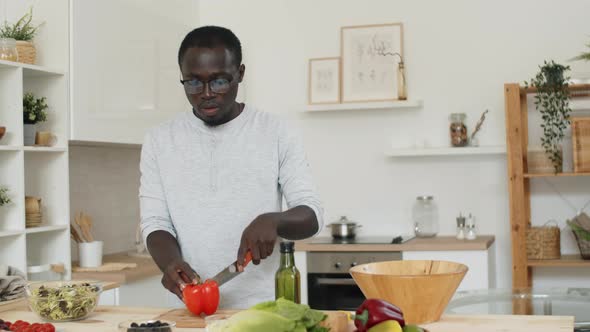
344, 228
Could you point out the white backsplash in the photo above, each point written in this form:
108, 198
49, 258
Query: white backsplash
104, 183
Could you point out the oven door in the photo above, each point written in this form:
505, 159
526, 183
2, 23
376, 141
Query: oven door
333, 291
330, 286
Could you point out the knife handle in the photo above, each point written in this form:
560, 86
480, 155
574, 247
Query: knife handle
247, 258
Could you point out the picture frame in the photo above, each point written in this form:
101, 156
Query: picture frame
324, 81
369, 62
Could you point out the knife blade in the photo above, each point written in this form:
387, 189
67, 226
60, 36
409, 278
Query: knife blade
231, 271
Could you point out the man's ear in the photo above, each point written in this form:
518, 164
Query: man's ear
242, 70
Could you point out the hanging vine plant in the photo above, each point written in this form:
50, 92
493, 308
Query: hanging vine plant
552, 101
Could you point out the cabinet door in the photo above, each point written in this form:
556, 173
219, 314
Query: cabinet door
125, 75
110, 297
479, 262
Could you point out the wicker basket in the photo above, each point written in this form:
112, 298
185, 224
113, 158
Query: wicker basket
26, 52
581, 144
538, 162
543, 242
584, 246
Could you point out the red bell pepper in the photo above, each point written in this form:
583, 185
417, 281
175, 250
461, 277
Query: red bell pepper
201, 298
374, 311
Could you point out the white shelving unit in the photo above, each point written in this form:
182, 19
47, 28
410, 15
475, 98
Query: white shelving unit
384, 105
446, 151
37, 171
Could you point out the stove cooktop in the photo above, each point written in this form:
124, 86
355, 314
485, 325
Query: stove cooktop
364, 240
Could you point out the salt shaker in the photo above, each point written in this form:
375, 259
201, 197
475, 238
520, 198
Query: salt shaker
471, 228
460, 227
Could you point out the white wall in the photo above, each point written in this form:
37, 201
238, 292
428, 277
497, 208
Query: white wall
104, 183
459, 53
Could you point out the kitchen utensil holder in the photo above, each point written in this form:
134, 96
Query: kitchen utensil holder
90, 254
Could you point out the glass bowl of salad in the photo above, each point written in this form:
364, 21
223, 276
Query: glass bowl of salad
63, 301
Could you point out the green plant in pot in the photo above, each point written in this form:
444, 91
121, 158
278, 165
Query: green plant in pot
33, 113
23, 31
4, 198
584, 56
552, 101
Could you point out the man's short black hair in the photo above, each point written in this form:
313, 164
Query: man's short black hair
210, 37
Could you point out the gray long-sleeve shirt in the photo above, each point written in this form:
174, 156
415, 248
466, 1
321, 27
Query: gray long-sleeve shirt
204, 185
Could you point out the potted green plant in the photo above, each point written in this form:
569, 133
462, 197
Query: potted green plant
4, 199
581, 77
552, 101
23, 31
584, 56
33, 112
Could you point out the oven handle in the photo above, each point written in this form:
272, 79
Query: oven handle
336, 281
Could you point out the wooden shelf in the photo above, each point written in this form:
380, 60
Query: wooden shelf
519, 188
572, 87
10, 233
550, 175
43, 229
385, 105
32, 70
447, 151
565, 261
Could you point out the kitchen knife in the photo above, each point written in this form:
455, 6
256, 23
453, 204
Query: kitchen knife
231, 271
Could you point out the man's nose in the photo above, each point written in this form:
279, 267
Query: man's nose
207, 93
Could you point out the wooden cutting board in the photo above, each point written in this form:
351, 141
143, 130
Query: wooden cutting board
185, 319
338, 321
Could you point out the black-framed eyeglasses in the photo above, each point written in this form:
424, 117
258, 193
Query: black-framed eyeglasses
217, 85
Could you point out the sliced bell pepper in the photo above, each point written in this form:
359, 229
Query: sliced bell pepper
202, 298
374, 311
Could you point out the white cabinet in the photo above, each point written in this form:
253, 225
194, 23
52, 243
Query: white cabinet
125, 75
109, 297
147, 292
43, 252
481, 265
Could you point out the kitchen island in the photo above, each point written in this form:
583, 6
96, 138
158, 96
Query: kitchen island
107, 318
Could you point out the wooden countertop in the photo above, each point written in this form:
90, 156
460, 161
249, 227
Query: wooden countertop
107, 318
146, 267
439, 243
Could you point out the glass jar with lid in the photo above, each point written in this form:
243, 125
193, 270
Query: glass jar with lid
425, 215
8, 50
458, 130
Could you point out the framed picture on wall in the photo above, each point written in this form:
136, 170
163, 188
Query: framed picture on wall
324, 81
369, 61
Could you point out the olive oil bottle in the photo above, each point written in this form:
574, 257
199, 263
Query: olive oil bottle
287, 278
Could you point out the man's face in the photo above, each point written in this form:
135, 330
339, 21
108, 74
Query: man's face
213, 83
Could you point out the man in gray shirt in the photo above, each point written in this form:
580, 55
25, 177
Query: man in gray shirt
212, 180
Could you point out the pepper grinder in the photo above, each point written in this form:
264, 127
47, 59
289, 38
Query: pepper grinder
460, 227
471, 228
